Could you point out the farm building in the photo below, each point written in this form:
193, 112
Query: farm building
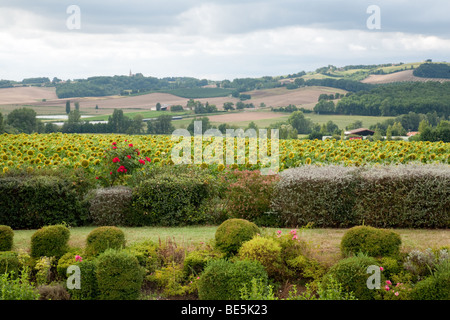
360, 132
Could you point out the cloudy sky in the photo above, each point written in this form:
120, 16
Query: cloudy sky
214, 39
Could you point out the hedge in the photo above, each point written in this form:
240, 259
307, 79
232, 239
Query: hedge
36, 201
404, 196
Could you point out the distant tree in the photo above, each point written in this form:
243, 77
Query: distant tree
136, 125
423, 125
162, 125
377, 135
96, 107
205, 125
50, 128
158, 106
228, 106
324, 107
240, 105
24, 120
354, 125
389, 133
299, 82
77, 106
253, 125
176, 108
2, 127
298, 121
118, 122
68, 106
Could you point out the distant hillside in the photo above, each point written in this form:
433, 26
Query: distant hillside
433, 70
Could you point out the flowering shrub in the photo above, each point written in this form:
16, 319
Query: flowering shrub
249, 194
119, 162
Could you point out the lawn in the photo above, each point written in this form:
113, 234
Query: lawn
325, 242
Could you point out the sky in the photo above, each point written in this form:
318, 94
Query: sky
215, 39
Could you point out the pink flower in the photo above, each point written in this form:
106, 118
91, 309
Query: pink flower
396, 293
294, 237
381, 268
78, 258
387, 288
388, 282
198, 278
279, 232
293, 231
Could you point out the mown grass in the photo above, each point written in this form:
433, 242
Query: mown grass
325, 242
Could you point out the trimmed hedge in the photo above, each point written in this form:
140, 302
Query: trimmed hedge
119, 275
371, 241
50, 241
36, 201
404, 196
170, 199
6, 238
109, 206
103, 238
232, 233
223, 280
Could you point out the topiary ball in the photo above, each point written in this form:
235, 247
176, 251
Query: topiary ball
119, 275
102, 238
50, 241
232, 233
371, 241
265, 250
6, 238
224, 280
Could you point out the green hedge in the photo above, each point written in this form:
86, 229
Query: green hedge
50, 241
170, 199
6, 238
404, 196
35, 201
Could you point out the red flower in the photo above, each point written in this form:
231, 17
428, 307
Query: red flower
114, 143
148, 159
141, 161
96, 178
128, 156
114, 147
115, 160
130, 145
122, 169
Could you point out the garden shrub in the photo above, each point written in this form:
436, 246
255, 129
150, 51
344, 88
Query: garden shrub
29, 202
224, 280
9, 262
371, 241
146, 253
170, 279
405, 196
50, 241
195, 262
170, 200
422, 263
88, 280
265, 250
352, 274
68, 259
109, 206
232, 233
324, 196
249, 194
102, 238
13, 287
53, 292
6, 238
119, 275
435, 286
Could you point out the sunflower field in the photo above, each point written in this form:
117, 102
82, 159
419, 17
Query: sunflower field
94, 153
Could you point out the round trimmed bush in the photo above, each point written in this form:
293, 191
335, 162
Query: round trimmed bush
102, 238
119, 275
224, 280
88, 280
265, 250
6, 238
232, 233
371, 241
352, 274
50, 241
9, 262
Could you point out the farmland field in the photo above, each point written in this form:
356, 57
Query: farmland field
38, 151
